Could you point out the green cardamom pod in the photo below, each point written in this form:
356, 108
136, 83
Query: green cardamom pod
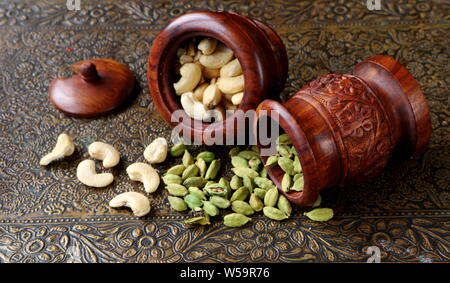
208, 156
205, 220
224, 181
197, 192
274, 213
240, 194
263, 183
248, 154
176, 170
177, 190
261, 193
263, 173
171, 179
317, 202
256, 202
210, 208
320, 214
194, 182
284, 205
234, 151
192, 201
286, 182
235, 220
298, 185
241, 172
284, 150
216, 189
297, 165
177, 150
220, 202
286, 164
201, 164
213, 169
293, 151
242, 207
248, 183
296, 176
177, 203
271, 197
202, 220
236, 182
272, 160
284, 139
254, 163
190, 171
187, 158
238, 161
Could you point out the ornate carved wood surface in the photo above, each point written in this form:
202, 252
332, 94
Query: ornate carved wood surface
47, 216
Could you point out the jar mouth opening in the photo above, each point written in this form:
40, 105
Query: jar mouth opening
274, 111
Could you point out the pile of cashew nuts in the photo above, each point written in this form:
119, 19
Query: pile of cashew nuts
156, 152
211, 79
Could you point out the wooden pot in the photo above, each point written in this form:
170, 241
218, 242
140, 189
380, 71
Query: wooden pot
258, 48
346, 126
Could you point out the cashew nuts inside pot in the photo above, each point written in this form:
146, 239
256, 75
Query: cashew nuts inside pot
219, 58
193, 108
87, 175
231, 69
236, 99
105, 152
198, 92
156, 152
64, 147
191, 74
231, 85
139, 204
144, 173
211, 96
207, 46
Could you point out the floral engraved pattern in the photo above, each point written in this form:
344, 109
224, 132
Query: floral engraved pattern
46, 215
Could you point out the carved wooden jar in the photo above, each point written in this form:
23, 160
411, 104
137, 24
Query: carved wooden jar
258, 48
346, 126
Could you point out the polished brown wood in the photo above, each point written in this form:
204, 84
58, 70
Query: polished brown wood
345, 127
259, 49
98, 87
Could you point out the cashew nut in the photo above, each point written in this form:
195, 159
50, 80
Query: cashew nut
207, 45
231, 69
191, 74
87, 175
236, 99
64, 147
211, 96
156, 152
185, 59
144, 173
231, 85
139, 204
192, 107
197, 56
209, 73
198, 92
219, 58
105, 152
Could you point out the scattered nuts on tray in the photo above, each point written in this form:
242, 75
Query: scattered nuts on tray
64, 147
87, 175
139, 204
210, 79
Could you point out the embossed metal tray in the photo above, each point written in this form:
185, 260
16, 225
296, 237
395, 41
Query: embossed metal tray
47, 216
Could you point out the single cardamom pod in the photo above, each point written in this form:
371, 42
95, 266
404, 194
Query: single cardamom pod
284, 139
213, 169
256, 202
254, 163
238, 161
242, 207
263, 183
240, 194
194, 182
202, 220
216, 189
271, 197
286, 164
248, 183
177, 150
320, 214
224, 181
201, 164
177, 203
297, 165
248, 154
317, 202
176, 170
220, 202
197, 192
210, 208
293, 151
235, 220
187, 158
274, 213
177, 190
284, 205
298, 185
205, 220
261, 193
208, 156
192, 201
234, 151
272, 160
236, 182
284, 150
190, 171
263, 173
286, 182
241, 172
296, 176
171, 179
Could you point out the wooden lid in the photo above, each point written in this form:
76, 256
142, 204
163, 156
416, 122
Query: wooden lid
98, 87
